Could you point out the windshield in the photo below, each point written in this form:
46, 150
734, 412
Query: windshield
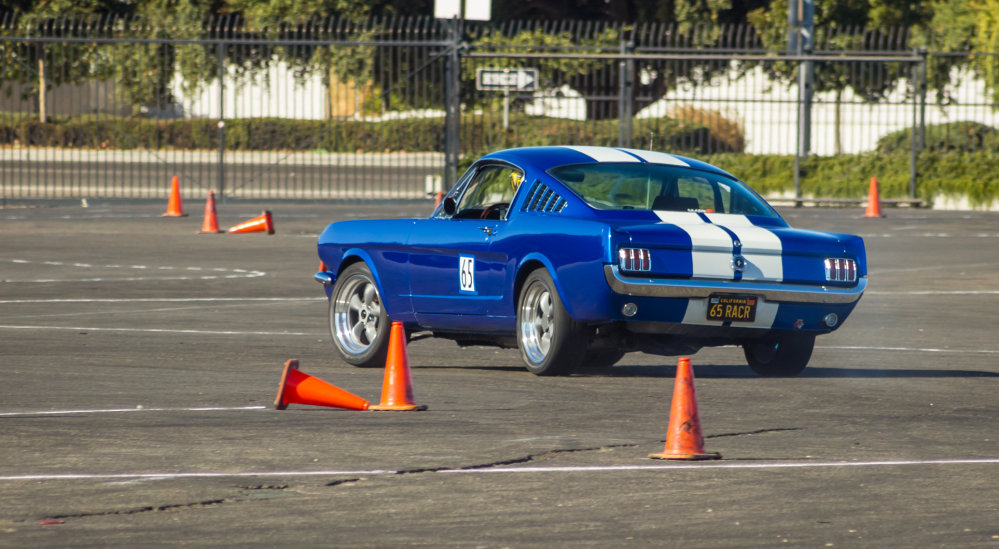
632, 186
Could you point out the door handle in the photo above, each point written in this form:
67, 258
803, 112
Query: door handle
488, 230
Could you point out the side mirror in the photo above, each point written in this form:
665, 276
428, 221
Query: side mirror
450, 206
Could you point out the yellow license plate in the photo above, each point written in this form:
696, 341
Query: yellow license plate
732, 308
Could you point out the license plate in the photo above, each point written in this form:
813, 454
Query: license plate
732, 308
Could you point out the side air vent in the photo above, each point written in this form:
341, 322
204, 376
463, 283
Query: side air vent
542, 199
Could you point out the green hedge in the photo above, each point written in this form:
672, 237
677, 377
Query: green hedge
959, 160
254, 134
480, 133
963, 136
971, 174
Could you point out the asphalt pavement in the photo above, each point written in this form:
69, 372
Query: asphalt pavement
140, 360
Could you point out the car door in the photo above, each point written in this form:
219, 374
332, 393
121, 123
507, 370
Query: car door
454, 274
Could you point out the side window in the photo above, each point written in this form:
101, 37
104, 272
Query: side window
489, 192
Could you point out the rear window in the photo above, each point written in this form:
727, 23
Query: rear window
632, 186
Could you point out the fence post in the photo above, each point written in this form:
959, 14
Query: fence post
918, 133
220, 47
452, 107
626, 93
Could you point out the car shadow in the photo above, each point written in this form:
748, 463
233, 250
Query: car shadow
739, 371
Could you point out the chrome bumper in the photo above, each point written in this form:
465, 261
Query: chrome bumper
650, 287
324, 278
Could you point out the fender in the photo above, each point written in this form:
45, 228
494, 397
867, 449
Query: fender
397, 307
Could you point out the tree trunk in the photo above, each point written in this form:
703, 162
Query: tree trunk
837, 119
41, 87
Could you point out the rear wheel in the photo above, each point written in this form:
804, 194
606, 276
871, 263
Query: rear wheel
786, 356
358, 323
550, 342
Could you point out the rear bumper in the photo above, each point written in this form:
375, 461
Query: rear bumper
786, 293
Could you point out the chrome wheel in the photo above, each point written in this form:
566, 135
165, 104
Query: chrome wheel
358, 322
536, 322
550, 341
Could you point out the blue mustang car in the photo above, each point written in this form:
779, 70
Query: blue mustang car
576, 255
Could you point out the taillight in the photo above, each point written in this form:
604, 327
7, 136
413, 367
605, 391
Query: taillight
634, 259
841, 270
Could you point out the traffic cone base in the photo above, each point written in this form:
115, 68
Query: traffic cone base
398, 407
261, 223
175, 206
683, 436
211, 224
689, 457
397, 389
297, 387
873, 200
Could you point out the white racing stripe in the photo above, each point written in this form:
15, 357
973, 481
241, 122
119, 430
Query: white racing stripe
657, 157
604, 154
711, 257
761, 247
711, 246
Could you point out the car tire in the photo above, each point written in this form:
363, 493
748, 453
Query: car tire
784, 357
358, 323
550, 342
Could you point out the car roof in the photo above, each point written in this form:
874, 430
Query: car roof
547, 157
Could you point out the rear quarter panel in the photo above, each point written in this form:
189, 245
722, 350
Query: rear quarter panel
573, 250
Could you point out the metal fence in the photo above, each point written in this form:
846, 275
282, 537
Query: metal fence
390, 109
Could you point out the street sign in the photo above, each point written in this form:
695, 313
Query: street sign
469, 10
506, 79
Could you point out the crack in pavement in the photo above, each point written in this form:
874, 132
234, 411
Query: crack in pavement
513, 461
756, 432
340, 482
171, 507
145, 509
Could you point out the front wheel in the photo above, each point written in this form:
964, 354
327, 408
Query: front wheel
550, 342
786, 356
358, 323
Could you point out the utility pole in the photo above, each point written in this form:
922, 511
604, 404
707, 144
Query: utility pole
801, 41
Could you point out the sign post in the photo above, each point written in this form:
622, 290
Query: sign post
521, 80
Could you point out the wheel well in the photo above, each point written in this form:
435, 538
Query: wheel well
347, 262
525, 269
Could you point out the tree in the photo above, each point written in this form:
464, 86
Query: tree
985, 44
40, 64
845, 25
143, 72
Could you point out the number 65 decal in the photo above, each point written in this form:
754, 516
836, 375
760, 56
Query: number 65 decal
466, 274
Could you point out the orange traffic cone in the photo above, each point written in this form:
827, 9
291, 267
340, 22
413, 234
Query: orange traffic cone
211, 224
438, 198
175, 207
873, 200
259, 224
300, 388
397, 389
683, 436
